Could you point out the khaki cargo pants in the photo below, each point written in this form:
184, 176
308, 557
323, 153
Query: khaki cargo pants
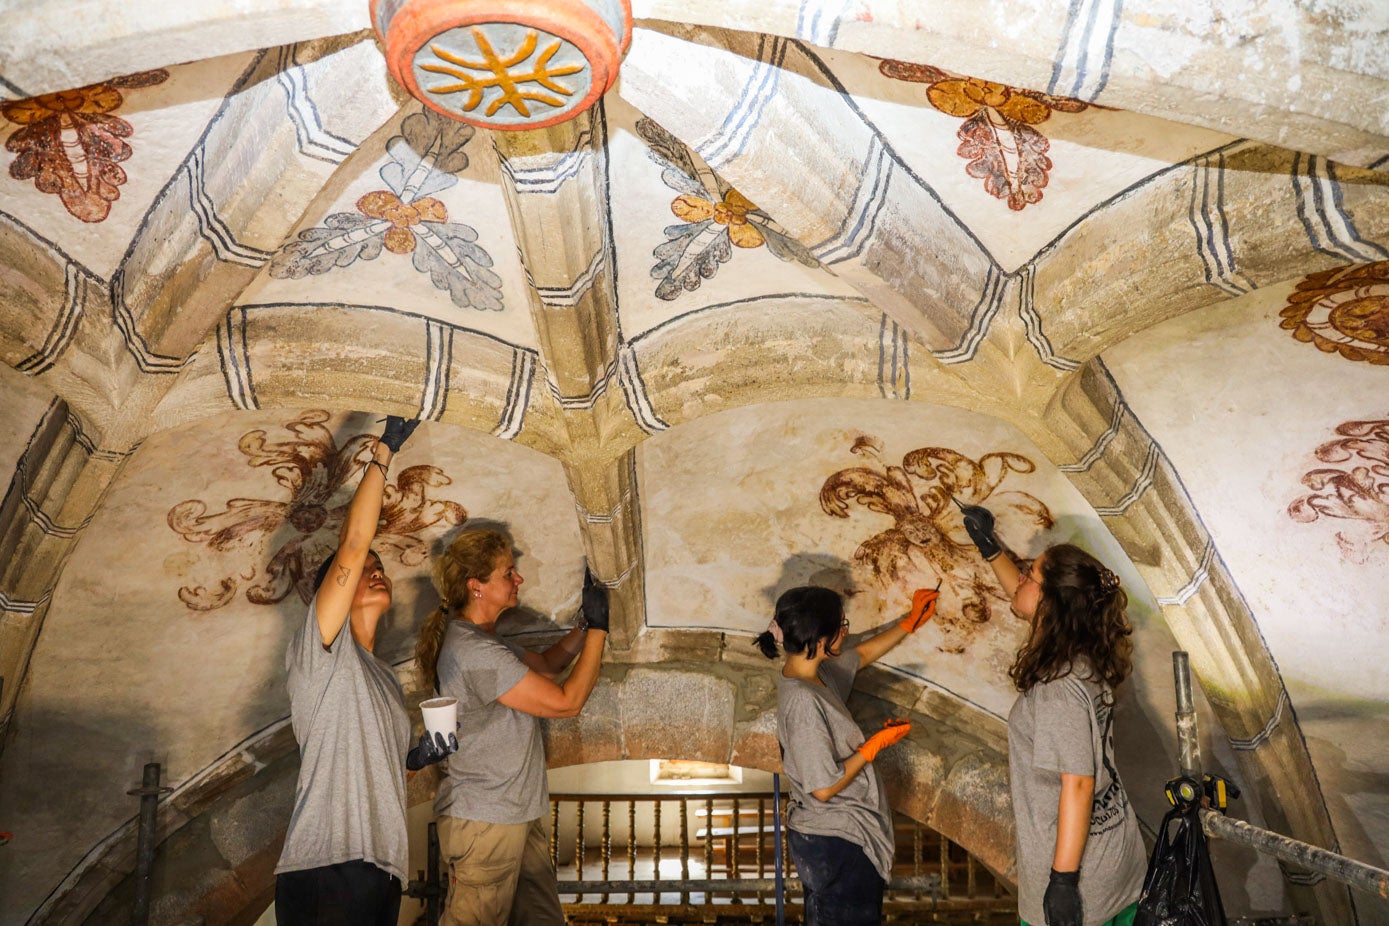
499, 874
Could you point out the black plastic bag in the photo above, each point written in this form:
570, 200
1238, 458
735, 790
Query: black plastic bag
1180, 888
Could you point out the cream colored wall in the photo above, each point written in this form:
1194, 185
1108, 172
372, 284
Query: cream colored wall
1241, 406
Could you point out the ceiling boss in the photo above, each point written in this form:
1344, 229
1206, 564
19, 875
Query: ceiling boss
505, 64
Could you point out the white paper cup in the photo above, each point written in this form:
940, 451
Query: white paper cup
440, 715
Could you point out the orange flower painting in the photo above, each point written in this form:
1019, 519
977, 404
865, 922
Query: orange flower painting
715, 219
731, 212
71, 143
383, 204
426, 157
997, 139
1343, 311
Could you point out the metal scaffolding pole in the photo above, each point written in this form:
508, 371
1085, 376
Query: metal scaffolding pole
149, 793
1188, 742
1348, 871
1304, 855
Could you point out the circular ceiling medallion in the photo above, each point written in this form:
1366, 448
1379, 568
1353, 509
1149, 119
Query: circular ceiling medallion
1345, 310
505, 64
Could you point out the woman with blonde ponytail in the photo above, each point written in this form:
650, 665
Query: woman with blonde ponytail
492, 803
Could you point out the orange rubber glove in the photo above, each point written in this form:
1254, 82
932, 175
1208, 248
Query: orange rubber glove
893, 731
923, 609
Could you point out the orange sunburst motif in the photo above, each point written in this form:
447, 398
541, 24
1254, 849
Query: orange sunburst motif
494, 70
1344, 311
70, 143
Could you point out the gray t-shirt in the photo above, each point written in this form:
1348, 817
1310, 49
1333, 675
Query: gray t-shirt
498, 773
1065, 726
348, 715
817, 734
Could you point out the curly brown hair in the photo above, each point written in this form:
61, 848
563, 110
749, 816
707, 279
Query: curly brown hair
472, 555
1080, 616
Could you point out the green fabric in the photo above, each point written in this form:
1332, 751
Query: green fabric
1123, 918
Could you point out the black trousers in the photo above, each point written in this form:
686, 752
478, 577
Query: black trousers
347, 894
840, 885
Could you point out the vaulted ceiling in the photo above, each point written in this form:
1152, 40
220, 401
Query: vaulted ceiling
1120, 271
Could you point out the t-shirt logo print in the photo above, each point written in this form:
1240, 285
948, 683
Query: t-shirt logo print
1110, 801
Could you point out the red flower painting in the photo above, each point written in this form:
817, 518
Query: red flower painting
1355, 490
71, 143
997, 138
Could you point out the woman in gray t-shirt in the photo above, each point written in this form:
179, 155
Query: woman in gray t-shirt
838, 821
492, 803
346, 854
1080, 854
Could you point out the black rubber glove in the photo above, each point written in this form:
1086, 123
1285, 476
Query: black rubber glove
397, 430
595, 606
430, 750
979, 523
1061, 902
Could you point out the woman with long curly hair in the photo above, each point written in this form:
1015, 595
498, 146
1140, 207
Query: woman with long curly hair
493, 802
1080, 854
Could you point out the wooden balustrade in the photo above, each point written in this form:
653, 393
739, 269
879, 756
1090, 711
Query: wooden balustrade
724, 859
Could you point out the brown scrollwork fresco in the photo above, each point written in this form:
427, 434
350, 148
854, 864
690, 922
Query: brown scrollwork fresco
927, 537
1344, 310
311, 468
1358, 491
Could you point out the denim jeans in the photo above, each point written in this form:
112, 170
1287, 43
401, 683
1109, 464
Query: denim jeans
840, 884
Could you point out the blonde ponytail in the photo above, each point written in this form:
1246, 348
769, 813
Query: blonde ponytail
472, 555
430, 642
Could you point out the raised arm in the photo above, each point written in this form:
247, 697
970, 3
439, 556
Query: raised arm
555, 659
333, 600
923, 608
979, 524
542, 697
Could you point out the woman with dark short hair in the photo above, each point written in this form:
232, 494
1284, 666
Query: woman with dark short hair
345, 854
839, 824
1080, 854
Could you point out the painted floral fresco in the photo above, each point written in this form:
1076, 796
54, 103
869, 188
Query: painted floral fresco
405, 219
716, 218
927, 542
1344, 310
314, 472
998, 138
71, 143
1357, 491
